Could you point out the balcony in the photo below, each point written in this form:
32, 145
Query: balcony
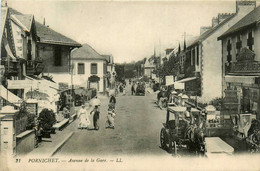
11, 69
244, 67
34, 67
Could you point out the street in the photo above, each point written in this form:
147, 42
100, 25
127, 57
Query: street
137, 129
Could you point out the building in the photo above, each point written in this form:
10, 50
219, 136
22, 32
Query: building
90, 68
33, 58
203, 58
149, 67
55, 50
111, 72
241, 61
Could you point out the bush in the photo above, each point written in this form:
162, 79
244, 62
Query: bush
46, 119
30, 121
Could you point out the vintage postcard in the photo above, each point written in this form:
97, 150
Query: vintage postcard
130, 85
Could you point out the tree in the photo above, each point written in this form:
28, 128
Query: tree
46, 119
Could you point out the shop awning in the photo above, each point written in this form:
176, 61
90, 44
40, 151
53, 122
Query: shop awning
240, 79
186, 79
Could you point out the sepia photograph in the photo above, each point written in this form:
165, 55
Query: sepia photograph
130, 85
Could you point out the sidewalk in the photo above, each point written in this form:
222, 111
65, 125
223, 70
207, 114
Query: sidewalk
50, 145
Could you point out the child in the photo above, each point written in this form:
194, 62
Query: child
111, 116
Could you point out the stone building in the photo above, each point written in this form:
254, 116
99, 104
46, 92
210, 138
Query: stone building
203, 57
241, 61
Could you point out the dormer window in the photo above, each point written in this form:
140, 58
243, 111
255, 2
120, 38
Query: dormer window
250, 40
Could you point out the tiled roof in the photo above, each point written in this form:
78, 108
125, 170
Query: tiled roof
86, 52
251, 18
4, 12
47, 35
25, 21
210, 31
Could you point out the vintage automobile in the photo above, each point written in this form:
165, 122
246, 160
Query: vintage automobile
183, 128
140, 90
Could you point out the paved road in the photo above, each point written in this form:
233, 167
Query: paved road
137, 128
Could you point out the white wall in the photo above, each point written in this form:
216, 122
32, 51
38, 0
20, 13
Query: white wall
82, 79
211, 76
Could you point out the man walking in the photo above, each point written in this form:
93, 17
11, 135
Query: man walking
96, 103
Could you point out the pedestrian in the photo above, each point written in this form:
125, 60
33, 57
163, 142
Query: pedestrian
66, 112
159, 97
112, 99
111, 116
133, 89
124, 90
83, 118
95, 117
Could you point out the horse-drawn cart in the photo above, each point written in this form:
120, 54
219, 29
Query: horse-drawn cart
183, 128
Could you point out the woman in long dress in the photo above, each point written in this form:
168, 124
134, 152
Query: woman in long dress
84, 121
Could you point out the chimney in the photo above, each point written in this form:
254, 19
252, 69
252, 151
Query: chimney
43, 21
245, 5
215, 21
223, 16
203, 29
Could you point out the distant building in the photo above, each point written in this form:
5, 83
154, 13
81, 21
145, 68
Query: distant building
149, 67
111, 72
241, 61
89, 68
203, 58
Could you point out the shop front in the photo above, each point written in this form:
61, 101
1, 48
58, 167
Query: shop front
248, 93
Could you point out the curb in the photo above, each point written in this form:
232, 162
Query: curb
58, 147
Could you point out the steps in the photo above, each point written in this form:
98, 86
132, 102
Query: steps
9, 96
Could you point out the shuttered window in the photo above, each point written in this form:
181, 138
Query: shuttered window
81, 68
94, 68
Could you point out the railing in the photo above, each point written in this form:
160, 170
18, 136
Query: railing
34, 67
10, 69
238, 67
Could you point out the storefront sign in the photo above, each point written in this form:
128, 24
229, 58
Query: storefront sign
22, 84
169, 80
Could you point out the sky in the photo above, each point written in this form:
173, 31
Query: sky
128, 30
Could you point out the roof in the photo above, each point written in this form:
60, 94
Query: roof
211, 31
4, 12
109, 58
251, 18
148, 64
86, 52
24, 21
46, 34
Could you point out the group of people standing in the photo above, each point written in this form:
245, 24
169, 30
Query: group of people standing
93, 109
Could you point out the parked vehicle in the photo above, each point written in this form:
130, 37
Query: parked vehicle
178, 132
140, 90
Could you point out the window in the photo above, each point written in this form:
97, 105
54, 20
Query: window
81, 68
238, 45
5, 130
229, 48
197, 55
29, 50
57, 56
250, 41
93, 68
105, 68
